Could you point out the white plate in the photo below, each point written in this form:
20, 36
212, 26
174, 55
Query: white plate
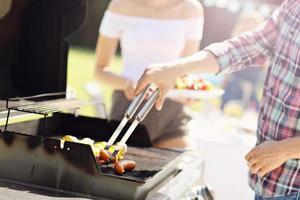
195, 94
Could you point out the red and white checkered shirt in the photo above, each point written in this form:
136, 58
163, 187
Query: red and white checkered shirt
278, 40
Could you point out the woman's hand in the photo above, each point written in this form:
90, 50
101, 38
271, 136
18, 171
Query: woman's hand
163, 77
266, 157
129, 87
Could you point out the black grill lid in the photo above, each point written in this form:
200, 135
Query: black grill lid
33, 48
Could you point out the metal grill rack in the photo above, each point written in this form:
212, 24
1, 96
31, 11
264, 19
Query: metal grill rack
46, 104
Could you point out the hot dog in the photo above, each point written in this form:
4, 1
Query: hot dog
104, 155
101, 162
123, 166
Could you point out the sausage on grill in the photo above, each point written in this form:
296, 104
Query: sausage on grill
104, 155
123, 166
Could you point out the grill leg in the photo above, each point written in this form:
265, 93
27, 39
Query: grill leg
7, 118
46, 127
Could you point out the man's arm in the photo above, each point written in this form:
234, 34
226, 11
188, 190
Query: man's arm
232, 54
250, 48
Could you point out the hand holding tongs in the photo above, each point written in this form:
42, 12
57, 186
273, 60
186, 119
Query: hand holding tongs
132, 108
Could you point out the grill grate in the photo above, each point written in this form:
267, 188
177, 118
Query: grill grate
46, 104
50, 107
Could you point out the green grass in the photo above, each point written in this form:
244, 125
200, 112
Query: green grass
81, 64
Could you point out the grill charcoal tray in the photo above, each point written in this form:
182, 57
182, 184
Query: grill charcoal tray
149, 161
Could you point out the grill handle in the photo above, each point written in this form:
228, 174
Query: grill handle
148, 105
136, 102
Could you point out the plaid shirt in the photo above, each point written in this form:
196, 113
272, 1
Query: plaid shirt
278, 40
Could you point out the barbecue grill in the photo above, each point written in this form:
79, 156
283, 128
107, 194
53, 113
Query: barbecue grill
33, 62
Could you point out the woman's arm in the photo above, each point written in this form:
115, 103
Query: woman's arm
193, 11
191, 47
105, 51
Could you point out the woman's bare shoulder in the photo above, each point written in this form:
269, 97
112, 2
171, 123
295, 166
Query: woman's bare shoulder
193, 8
121, 7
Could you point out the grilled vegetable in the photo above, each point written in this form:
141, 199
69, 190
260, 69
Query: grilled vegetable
108, 155
88, 141
70, 138
100, 145
102, 155
123, 166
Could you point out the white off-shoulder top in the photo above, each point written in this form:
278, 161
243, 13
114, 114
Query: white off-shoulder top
145, 41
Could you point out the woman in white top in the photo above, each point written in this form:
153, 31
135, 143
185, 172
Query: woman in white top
149, 31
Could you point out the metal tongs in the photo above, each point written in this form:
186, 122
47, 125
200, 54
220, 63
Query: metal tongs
129, 113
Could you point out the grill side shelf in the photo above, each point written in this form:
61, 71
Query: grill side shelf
49, 107
46, 105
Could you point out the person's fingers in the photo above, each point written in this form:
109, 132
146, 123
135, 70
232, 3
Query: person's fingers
161, 99
159, 103
129, 93
251, 154
131, 96
257, 165
265, 168
251, 162
255, 168
142, 83
248, 156
263, 171
126, 95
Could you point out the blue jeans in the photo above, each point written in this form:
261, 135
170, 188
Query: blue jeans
295, 196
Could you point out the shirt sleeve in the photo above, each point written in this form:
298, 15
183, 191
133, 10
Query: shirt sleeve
195, 29
251, 48
111, 25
